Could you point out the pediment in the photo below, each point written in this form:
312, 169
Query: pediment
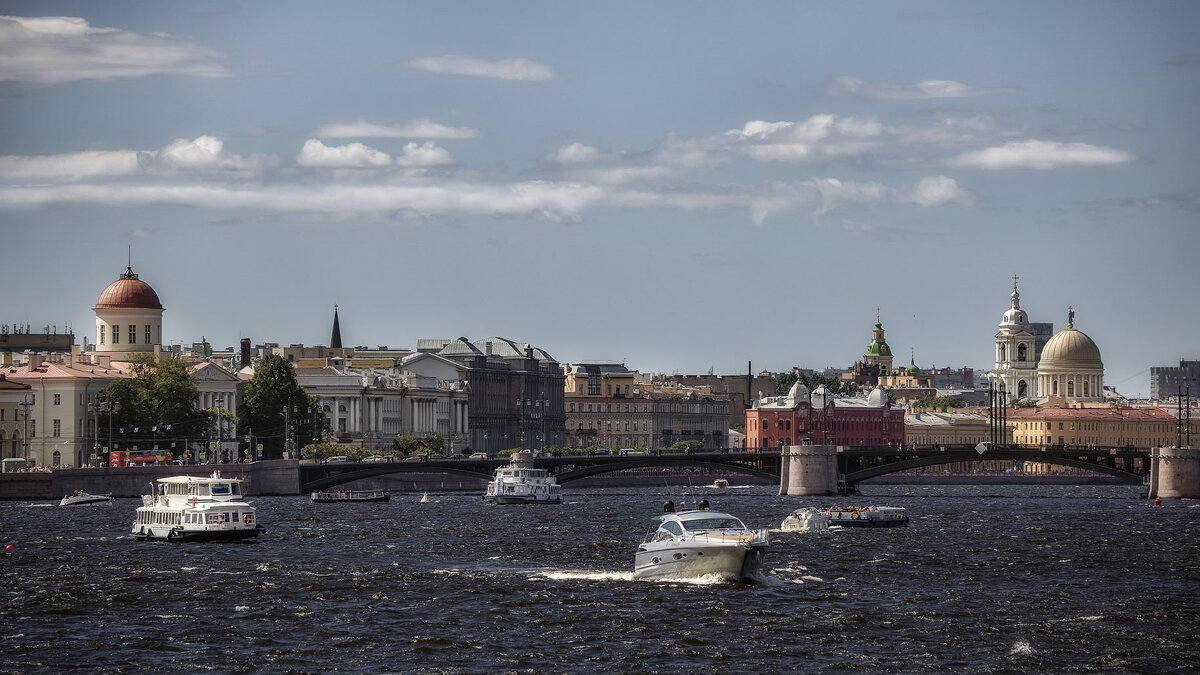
211, 372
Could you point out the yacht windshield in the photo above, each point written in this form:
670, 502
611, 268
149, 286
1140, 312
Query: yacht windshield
714, 524
220, 488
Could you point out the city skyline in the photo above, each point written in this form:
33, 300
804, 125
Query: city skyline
677, 187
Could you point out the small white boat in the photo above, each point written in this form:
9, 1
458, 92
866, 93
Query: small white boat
193, 508
520, 483
865, 516
808, 518
425, 498
81, 498
690, 544
720, 483
335, 496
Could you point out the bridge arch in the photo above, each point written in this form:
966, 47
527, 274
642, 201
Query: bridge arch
952, 457
312, 479
733, 466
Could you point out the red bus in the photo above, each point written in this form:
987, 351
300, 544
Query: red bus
140, 458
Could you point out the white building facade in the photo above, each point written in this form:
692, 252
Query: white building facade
1016, 360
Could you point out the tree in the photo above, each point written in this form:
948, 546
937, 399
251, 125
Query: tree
273, 400
687, 446
784, 383
942, 403
159, 401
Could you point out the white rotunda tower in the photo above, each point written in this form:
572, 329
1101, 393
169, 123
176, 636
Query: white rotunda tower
128, 317
1016, 365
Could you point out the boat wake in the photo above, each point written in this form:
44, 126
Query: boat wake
573, 575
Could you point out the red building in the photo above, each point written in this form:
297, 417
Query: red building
822, 419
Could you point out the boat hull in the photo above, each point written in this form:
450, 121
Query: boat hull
694, 559
180, 534
85, 501
870, 522
523, 499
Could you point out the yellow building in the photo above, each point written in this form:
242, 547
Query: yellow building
941, 428
1107, 427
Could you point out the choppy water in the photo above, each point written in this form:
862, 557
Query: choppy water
988, 578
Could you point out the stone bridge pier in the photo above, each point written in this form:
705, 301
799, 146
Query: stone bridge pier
808, 470
1175, 473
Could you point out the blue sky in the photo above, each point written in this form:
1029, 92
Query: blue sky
681, 186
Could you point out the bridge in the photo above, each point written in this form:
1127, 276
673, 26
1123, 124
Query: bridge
854, 464
565, 468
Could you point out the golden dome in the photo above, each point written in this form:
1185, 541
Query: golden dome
1070, 350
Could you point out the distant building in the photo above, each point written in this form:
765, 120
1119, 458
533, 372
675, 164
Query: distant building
1017, 352
1100, 427
607, 406
945, 428
515, 392
1071, 368
740, 390
1167, 382
876, 361
823, 419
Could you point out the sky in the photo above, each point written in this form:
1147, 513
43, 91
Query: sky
682, 186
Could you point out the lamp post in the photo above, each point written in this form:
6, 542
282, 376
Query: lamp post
220, 401
25, 403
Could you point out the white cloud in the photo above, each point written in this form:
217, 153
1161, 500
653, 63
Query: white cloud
423, 155
353, 155
1041, 155
575, 153
58, 49
420, 129
70, 165
524, 70
204, 153
939, 191
883, 91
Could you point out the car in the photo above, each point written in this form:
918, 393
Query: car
338, 458
630, 451
478, 455
377, 458
416, 458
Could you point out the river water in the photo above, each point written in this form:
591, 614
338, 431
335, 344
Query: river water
987, 578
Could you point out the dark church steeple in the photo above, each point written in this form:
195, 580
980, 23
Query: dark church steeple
335, 340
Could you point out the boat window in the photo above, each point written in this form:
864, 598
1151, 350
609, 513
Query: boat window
236, 488
672, 527
220, 488
715, 524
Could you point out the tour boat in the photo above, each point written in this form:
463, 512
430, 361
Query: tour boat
80, 498
520, 483
193, 508
690, 544
865, 516
331, 496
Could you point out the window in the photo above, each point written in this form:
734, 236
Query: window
102, 333
57, 399
1020, 352
33, 428
1071, 388
1003, 354
57, 428
147, 333
132, 334
116, 333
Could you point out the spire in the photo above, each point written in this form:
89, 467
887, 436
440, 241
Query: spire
1016, 297
335, 340
1070, 317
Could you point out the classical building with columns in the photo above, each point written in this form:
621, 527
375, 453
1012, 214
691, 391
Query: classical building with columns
1071, 368
65, 413
1016, 357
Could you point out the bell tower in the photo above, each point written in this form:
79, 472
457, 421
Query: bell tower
1016, 363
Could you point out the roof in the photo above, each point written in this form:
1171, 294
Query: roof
1148, 414
128, 292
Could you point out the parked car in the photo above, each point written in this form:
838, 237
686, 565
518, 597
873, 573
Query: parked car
478, 455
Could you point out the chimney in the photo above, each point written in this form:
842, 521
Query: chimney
6, 359
103, 360
245, 352
35, 361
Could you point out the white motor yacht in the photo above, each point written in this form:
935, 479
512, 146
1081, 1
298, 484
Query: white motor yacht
194, 508
808, 518
689, 544
520, 483
81, 498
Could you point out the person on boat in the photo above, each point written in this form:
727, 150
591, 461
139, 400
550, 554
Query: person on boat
669, 507
703, 505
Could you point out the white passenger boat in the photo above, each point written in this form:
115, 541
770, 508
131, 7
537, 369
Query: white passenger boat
520, 483
690, 544
81, 498
863, 516
192, 508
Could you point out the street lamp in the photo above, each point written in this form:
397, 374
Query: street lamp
220, 401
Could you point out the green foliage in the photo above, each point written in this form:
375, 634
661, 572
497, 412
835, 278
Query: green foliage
1026, 403
408, 445
272, 391
321, 451
508, 452
687, 446
942, 403
784, 383
161, 393
832, 384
